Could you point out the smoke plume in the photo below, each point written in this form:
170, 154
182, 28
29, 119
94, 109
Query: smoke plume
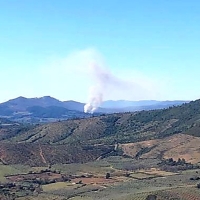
130, 85
104, 80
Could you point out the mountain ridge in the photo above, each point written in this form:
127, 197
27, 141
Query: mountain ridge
100, 136
48, 109
22, 103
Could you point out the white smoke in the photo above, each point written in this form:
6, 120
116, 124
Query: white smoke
107, 85
103, 79
95, 101
86, 69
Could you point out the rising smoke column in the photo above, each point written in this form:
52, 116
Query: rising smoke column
95, 100
106, 83
103, 79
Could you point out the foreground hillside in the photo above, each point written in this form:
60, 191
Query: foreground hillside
9, 129
98, 136
177, 146
118, 128
44, 155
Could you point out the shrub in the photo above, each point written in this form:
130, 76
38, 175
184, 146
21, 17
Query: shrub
107, 175
151, 197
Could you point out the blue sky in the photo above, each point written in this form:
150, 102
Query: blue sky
152, 46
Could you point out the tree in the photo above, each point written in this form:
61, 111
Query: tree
107, 175
151, 197
183, 161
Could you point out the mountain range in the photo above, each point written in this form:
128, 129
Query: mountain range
156, 133
47, 109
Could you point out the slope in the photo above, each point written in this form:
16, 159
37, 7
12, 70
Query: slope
106, 131
176, 146
121, 127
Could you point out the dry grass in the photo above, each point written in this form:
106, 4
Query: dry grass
57, 186
176, 146
6, 170
93, 180
139, 175
157, 172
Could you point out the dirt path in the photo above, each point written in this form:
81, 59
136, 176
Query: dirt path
41, 155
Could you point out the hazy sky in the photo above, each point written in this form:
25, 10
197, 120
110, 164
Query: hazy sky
151, 47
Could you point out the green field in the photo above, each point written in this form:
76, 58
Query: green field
137, 185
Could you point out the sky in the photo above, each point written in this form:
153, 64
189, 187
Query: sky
146, 49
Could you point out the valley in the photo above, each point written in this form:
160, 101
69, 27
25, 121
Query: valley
90, 181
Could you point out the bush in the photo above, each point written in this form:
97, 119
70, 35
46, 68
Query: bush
107, 175
151, 197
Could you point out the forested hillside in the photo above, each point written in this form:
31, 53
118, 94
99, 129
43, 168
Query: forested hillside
105, 131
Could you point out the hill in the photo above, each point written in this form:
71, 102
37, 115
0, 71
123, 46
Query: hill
48, 109
44, 154
44, 109
140, 105
176, 146
55, 112
120, 127
21, 103
105, 132
9, 129
74, 105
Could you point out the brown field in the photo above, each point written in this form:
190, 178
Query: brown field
95, 180
23, 177
176, 146
154, 171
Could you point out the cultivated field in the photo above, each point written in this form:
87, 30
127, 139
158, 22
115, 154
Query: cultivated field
89, 181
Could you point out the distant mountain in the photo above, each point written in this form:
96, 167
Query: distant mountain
21, 103
73, 105
5, 110
139, 105
46, 109
55, 112
126, 103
